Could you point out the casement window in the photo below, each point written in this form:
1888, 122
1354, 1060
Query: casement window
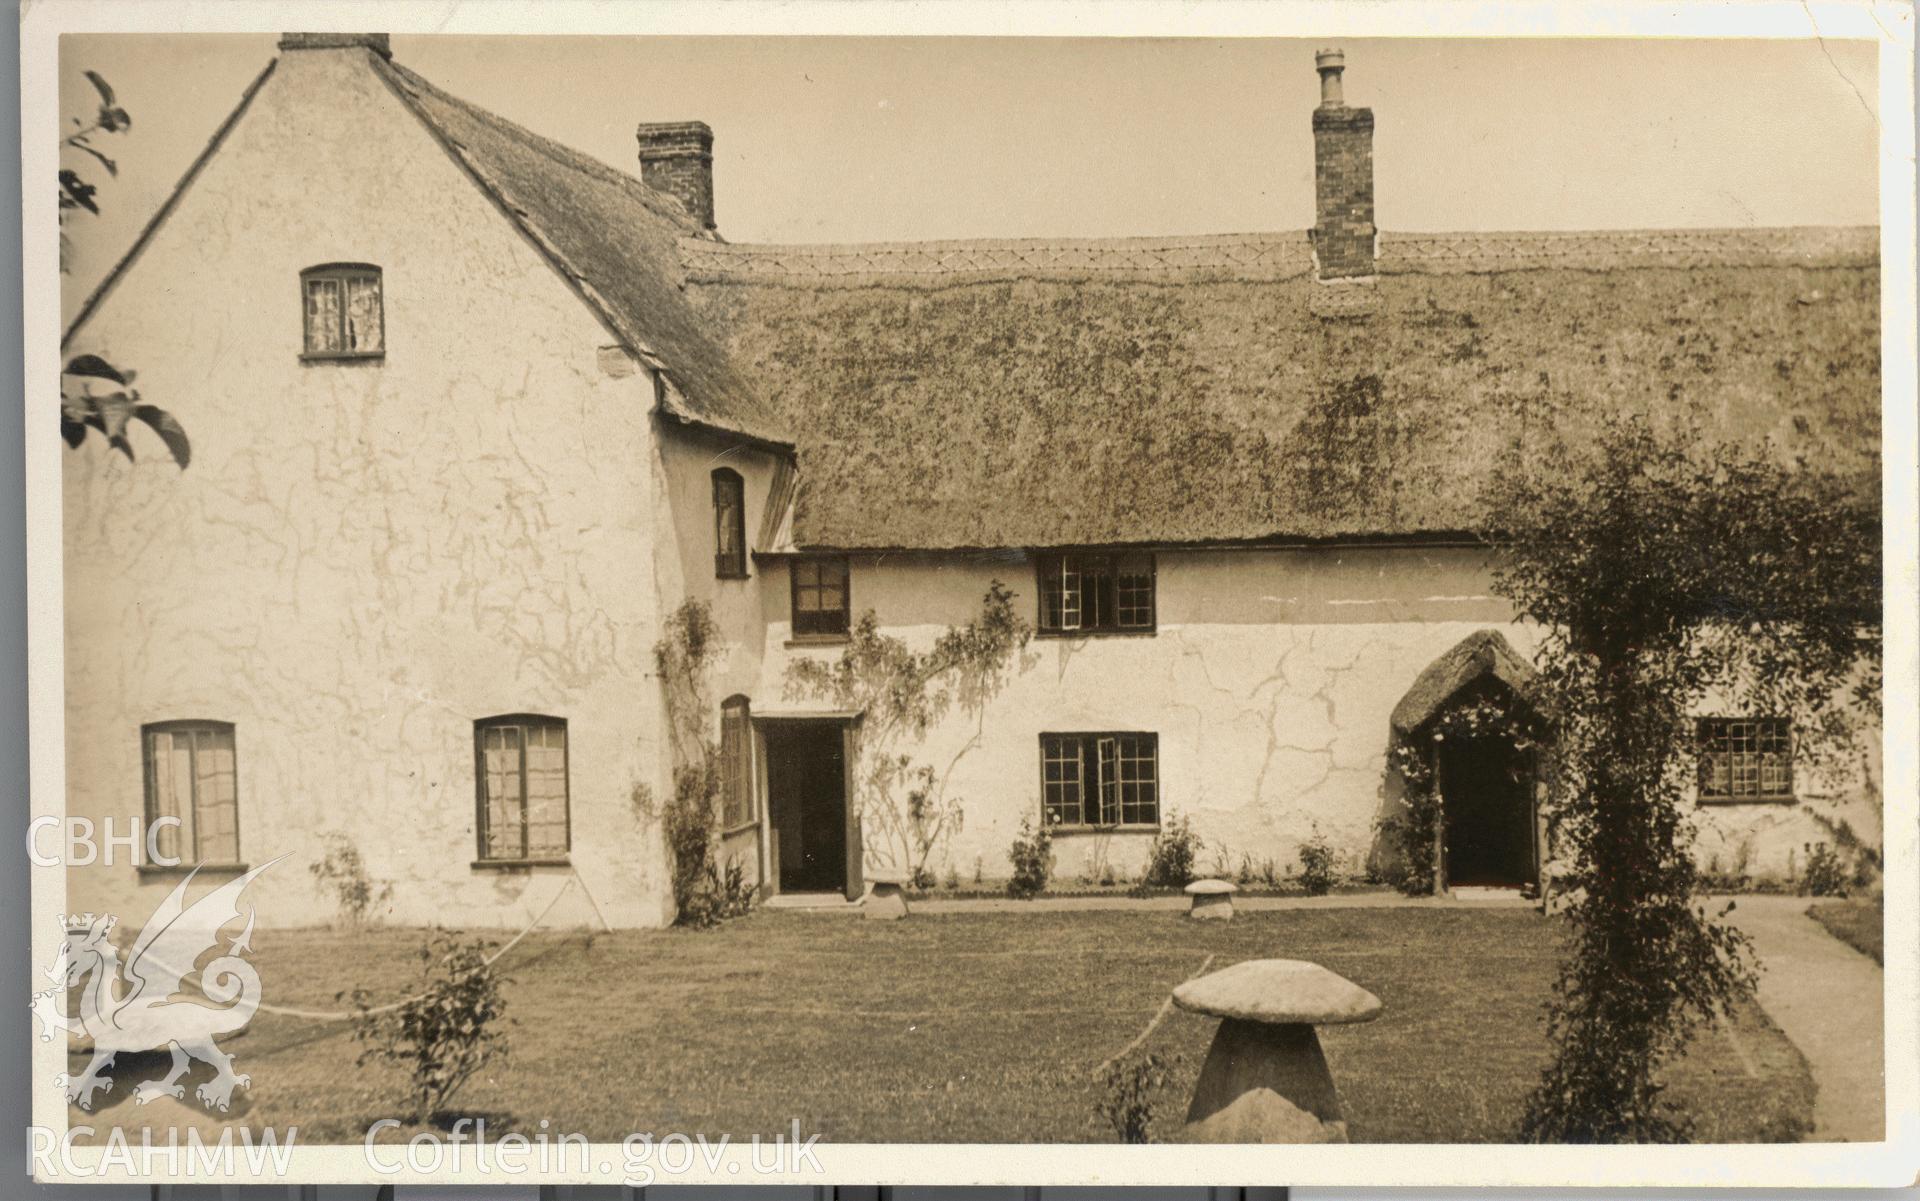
344, 315
1745, 759
1100, 779
191, 776
1095, 593
521, 762
820, 605
729, 525
736, 764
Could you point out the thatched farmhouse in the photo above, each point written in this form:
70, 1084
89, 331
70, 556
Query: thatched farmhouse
474, 415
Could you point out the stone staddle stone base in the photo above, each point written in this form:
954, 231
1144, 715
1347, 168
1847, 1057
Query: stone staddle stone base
887, 902
1265, 1084
1214, 907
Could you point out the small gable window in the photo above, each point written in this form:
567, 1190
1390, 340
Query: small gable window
522, 768
1096, 593
736, 764
191, 778
1745, 759
729, 525
345, 314
820, 597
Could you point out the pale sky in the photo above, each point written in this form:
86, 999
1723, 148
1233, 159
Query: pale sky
829, 139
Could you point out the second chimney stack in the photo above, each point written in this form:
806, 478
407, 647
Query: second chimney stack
1343, 177
677, 158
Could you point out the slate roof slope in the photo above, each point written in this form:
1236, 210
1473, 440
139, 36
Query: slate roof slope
613, 236
1198, 390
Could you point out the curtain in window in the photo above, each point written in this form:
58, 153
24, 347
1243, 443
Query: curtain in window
506, 803
191, 776
524, 764
736, 802
363, 314
323, 316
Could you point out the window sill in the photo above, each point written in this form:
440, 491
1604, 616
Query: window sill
1130, 828
731, 575
818, 640
183, 868
1749, 800
380, 357
744, 827
517, 865
1077, 635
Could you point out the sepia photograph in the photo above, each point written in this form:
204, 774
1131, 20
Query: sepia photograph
660, 607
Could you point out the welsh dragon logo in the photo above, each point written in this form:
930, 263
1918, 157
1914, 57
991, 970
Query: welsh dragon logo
135, 1006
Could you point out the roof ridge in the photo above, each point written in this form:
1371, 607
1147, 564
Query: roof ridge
1275, 255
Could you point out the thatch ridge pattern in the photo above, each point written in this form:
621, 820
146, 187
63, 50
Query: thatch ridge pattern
1268, 256
1235, 256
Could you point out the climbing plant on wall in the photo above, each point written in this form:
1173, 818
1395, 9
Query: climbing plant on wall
1416, 829
906, 806
704, 890
1665, 568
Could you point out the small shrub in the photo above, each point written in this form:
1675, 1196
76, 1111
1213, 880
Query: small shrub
922, 879
1316, 865
1825, 875
342, 872
1108, 877
979, 870
1128, 1094
1032, 858
721, 894
448, 1031
1270, 872
952, 882
1171, 857
1222, 862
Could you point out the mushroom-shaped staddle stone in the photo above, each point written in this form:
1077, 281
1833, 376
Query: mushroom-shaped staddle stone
1212, 900
1265, 1080
887, 901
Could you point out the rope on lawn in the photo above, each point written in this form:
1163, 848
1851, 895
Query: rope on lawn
1166, 1007
316, 1015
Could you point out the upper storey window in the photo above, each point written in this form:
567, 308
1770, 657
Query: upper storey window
729, 525
345, 315
1096, 593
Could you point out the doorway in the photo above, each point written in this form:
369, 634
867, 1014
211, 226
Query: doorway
816, 838
1487, 785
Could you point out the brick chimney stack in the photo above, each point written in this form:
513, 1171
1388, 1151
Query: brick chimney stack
1343, 177
677, 158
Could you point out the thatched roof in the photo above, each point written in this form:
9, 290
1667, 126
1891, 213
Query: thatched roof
613, 237
1483, 655
1008, 394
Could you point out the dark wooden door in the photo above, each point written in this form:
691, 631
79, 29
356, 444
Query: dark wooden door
806, 780
1488, 809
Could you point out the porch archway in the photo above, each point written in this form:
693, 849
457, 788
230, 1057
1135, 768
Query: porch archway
1471, 722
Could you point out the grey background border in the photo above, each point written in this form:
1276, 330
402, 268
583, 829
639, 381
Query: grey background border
16, 953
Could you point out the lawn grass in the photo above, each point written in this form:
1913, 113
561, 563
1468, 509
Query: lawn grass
964, 1027
1861, 924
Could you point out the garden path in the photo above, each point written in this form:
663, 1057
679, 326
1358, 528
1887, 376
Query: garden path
1828, 998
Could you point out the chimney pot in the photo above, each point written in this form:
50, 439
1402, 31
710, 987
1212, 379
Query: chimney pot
1343, 232
1330, 63
677, 158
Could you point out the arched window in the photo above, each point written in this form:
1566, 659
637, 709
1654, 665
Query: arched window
736, 763
345, 317
521, 769
729, 525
